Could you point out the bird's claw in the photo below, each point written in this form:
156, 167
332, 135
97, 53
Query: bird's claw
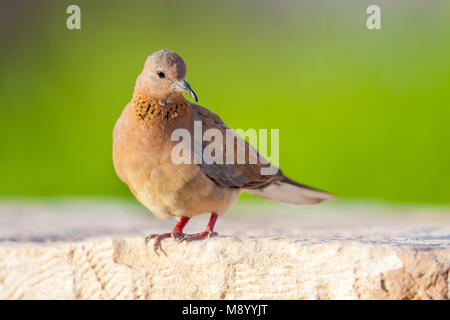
200, 236
149, 237
177, 236
158, 238
184, 238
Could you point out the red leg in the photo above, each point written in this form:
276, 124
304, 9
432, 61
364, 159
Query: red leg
209, 232
177, 234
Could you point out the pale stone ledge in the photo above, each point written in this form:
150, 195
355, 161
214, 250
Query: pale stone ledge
82, 250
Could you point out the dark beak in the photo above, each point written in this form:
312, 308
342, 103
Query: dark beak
185, 87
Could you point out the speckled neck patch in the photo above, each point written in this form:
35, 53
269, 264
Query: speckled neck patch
147, 109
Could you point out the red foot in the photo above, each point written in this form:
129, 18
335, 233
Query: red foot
208, 233
177, 233
199, 236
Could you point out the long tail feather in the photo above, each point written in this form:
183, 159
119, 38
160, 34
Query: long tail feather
292, 192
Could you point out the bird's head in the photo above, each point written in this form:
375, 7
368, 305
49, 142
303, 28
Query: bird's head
163, 75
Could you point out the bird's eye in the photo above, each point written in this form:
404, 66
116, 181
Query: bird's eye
160, 74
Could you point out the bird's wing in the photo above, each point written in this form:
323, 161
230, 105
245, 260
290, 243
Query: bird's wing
232, 174
248, 175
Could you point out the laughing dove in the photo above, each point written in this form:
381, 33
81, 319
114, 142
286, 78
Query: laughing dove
143, 155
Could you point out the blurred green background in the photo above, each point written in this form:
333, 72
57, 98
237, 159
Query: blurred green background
363, 114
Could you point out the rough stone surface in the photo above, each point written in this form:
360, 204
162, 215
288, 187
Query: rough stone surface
87, 250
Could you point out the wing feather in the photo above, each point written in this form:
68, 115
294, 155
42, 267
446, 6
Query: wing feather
248, 176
